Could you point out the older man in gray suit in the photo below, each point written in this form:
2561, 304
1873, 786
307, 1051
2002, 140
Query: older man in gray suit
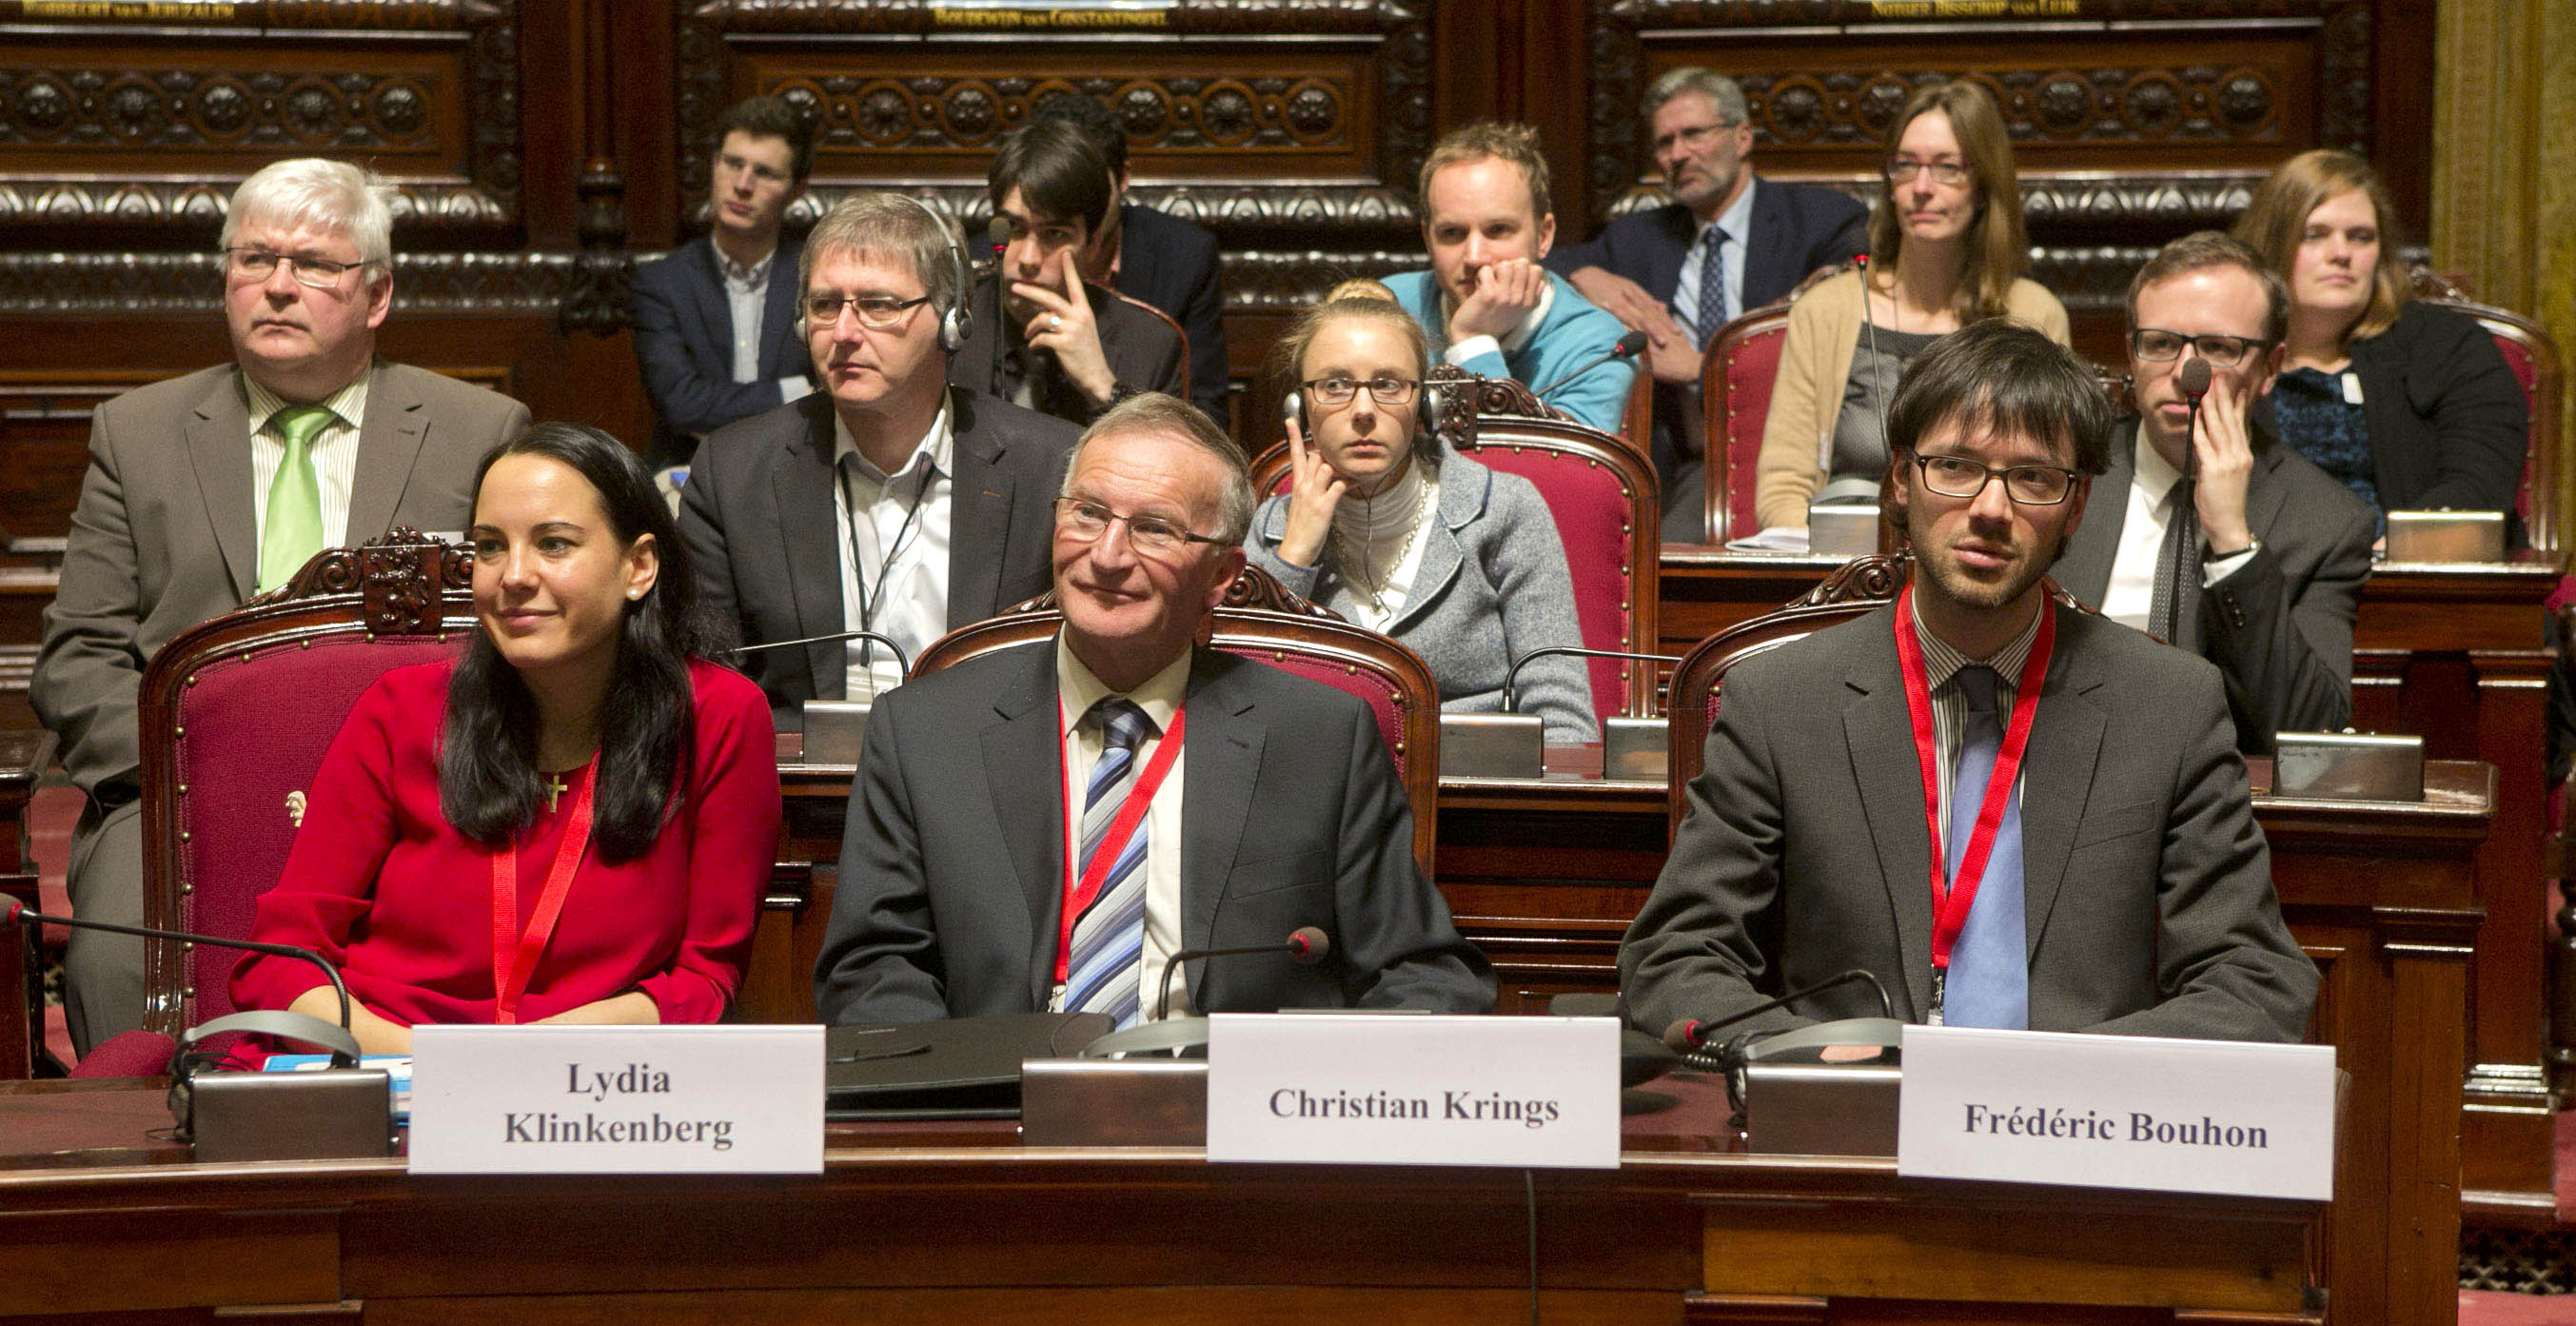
2012, 812
887, 501
208, 488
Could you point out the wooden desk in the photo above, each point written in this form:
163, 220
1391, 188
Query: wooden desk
1545, 875
2455, 653
957, 1223
24, 754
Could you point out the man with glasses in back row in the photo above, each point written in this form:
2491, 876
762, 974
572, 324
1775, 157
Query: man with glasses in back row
206, 489
886, 501
2013, 814
2272, 551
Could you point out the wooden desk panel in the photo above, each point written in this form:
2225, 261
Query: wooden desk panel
2455, 653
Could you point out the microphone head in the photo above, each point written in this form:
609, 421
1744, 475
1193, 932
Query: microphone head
1860, 260
1683, 1036
997, 232
9, 909
1629, 345
1308, 945
2195, 377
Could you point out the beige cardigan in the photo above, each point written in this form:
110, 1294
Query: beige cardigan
1815, 363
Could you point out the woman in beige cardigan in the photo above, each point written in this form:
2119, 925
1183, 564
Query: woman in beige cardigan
1946, 249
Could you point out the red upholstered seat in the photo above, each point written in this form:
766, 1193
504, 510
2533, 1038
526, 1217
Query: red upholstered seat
235, 717
2533, 357
1735, 393
1603, 497
1261, 621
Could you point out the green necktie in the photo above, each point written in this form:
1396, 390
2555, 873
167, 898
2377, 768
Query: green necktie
294, 529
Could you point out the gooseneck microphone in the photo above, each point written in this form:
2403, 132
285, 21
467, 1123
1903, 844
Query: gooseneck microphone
1628, 347
1511, 679
12, 910
1689, 1036
902, 664
2194, 382
1305, 946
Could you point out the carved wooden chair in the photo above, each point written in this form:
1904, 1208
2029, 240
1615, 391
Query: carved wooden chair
1736, 377
1603, 496
2533, 357
1262, 621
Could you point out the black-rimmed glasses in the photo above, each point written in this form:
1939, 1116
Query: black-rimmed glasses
878, 311
1339, 391
2155, 345
2026, 485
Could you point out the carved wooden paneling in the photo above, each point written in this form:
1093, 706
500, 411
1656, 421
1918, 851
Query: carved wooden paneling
144, 118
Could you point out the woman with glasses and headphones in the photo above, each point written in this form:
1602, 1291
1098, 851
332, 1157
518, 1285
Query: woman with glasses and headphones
1461, 564
1946, 250
2409, 405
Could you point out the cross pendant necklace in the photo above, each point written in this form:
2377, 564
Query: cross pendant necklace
554, 787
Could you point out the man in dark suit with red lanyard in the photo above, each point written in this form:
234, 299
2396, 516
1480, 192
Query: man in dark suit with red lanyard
1044, 827
1727, 242
2012, 812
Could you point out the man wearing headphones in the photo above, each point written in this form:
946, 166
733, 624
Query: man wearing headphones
888, 501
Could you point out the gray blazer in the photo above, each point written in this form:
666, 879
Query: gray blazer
164, 536
1493, 586
2279, 627
2147, 886
952, 866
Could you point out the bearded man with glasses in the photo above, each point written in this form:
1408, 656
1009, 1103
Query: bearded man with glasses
2254, 561
888, 501
1017, 836
206, 489
2010, 811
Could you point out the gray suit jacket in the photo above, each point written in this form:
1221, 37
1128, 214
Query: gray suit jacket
1493, 586
2146, 883
164, 535
758, 520
952, 867
2279, 627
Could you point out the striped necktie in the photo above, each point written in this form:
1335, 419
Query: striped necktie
293, 531
1104, 972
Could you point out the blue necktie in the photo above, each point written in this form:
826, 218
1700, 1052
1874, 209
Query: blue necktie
1989, 982
1109, 937
1714, 307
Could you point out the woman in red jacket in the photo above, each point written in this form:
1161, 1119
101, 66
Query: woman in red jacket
571, 822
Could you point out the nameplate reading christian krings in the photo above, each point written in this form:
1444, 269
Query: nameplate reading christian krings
617, 1100
2118, 1112
1390, 1089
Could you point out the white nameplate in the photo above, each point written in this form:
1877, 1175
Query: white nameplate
2118, 1112
1375, 1089
617, 1100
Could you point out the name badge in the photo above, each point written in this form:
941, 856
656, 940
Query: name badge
1378, 1089
2118, 1112
617, 1100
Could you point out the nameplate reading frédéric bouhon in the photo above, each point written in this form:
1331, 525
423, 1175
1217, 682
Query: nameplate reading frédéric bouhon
617, 1100
1393, 1089
2118, 1112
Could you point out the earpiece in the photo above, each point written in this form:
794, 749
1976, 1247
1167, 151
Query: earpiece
958, 322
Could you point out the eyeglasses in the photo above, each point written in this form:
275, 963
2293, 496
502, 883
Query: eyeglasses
1691, 137
1088, 520
1899, 170
260, 264
2158, 346
879, 311
2026, 485
1385, 391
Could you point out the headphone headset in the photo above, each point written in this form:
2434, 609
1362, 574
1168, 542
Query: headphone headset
958, 322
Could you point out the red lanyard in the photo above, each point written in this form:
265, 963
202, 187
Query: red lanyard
1080, 891
515, 952
1951, 899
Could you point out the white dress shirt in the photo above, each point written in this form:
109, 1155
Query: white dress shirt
894, 553
2130, 599
333, 450
1737, 222
1160, 697
747, 296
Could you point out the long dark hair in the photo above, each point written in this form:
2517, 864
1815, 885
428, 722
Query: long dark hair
488, 782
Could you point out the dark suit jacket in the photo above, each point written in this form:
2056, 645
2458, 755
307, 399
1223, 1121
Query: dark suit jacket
165, 537
684, 340
952, 868
1144, 349
1797, 228
2279, 627
1172, 264
2448, 421
758, 520
2147, 887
